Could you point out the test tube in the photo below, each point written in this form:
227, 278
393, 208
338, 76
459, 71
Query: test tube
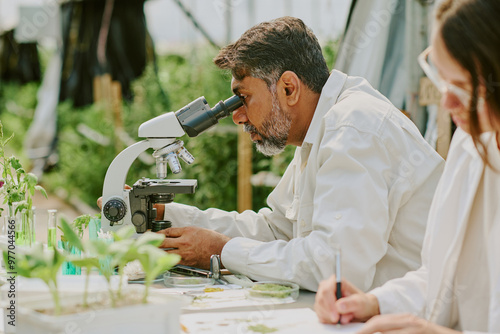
51, 229
32, 221
21, 227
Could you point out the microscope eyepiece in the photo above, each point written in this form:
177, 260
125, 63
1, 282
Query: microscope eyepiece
224, 109
197, 116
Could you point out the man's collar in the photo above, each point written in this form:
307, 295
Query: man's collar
329, 95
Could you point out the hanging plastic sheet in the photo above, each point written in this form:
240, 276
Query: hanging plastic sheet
127, 46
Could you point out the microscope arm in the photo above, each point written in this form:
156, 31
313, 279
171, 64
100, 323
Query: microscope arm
114, 182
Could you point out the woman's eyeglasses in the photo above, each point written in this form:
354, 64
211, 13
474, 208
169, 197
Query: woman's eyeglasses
443, 86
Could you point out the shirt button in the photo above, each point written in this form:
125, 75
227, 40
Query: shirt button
338, 217
302, 223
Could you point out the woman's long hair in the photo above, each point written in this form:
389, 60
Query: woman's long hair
471, 32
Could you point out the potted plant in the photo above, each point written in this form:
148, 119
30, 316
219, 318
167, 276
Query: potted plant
125, 310
17, 189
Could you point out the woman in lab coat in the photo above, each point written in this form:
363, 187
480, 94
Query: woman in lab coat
458, 285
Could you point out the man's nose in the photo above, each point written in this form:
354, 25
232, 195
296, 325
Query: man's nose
240, 115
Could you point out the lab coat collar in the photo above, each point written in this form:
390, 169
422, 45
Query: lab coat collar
329, 96
488, 138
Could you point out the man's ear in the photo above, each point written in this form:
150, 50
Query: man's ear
289, 87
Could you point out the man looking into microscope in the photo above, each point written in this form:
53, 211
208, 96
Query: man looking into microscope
362, 177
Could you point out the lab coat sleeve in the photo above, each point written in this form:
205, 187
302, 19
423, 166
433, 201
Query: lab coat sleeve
350, 210
265, 225
405, 294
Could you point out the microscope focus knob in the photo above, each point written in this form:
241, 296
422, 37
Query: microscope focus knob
139, 218
115, 209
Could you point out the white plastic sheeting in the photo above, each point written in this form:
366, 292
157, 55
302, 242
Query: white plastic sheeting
381, 44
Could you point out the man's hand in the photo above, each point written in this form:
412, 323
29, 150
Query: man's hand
194, 244
354, 306
99, 200
99, 203
402, 323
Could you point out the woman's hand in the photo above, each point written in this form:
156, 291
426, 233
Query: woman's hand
354, 306
402, 323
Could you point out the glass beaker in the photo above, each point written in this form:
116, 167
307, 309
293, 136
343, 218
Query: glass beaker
68, 268
51, 229
94, 227
9, 219
32, 223
19, 228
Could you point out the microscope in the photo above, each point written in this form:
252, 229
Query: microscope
136, 205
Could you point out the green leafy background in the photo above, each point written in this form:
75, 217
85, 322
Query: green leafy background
83, 163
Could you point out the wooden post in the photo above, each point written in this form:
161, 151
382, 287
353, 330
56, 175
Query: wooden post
109, 94
428, 95
116, 106
102, 88
97, 90
244, 171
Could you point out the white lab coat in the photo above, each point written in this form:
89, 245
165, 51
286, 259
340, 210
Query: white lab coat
429, 291
363, 180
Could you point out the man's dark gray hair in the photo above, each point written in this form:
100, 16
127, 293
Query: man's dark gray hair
268, 49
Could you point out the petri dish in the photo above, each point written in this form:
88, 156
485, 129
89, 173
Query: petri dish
142, 280
174, 280
280, 292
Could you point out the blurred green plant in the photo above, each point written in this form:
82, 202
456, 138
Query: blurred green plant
17, 105
17, 186
79, 225
120, 250
34, 262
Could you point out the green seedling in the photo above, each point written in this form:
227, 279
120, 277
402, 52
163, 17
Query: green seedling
123, 250
101, 249
153, 260
34, 262
79, 225
17, 186
88, 262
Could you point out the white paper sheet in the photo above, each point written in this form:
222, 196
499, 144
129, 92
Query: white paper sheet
232, 296
266, 320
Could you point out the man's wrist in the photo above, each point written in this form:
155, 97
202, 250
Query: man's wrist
160, 211
224, 240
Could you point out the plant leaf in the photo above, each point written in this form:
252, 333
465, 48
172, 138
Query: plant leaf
150, 238
31, 179
70, 235
14, 162
42, 190
87, 262
125, 232
164, 262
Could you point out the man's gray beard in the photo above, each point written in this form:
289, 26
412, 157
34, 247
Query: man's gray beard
275, 130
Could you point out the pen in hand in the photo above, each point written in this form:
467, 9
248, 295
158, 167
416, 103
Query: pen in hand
338, 275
